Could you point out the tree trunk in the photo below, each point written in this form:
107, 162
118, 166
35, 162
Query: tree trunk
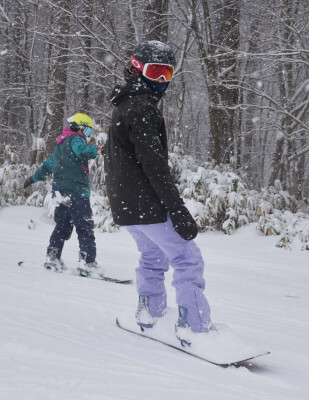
156, 21
60, 59
217, 46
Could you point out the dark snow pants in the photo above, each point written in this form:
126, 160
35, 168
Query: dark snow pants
76, 213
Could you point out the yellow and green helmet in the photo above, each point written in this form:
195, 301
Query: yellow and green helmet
81, 121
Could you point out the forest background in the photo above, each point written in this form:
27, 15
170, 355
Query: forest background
236, 110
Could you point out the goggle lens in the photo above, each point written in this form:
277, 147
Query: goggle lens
157, 71
88, 131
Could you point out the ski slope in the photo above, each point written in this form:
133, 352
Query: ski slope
59, 339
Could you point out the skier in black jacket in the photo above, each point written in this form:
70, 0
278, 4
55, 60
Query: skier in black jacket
143, 195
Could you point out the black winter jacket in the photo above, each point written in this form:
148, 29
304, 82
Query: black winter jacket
139, 184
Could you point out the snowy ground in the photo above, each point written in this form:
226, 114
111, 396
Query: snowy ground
59, 340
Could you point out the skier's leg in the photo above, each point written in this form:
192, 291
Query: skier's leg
61, 233
150, 272
186, 259
81, 215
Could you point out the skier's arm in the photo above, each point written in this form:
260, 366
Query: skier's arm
44, 170
84, 151
41, 173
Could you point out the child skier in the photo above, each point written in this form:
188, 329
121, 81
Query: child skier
144, 198
71, 183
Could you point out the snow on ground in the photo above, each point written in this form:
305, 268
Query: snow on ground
59, 340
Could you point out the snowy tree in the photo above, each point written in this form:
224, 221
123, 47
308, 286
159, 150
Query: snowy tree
239, 94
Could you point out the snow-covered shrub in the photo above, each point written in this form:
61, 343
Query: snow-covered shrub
12, 177
273, 203
102, 215
219, 198
280, 199
226, 200
36, 198
215, 195
296, 232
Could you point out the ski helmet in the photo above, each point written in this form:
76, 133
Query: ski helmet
81, 121
153, 57
154, 51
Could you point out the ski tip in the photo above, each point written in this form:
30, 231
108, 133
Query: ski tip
125, 282
116, 280
243, 363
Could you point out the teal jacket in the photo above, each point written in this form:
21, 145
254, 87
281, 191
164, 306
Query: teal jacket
69, 164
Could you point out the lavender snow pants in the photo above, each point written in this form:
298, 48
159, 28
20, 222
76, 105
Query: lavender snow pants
160, 246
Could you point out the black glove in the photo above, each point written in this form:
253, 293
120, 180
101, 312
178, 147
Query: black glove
184, 223
29, 181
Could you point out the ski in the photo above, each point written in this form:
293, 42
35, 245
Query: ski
115, 280
101, 278
109, 279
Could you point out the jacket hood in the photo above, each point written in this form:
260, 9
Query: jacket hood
67, 132
132, 85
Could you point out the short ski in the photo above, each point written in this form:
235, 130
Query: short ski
108, 279
113, 280
101, 278
220, 347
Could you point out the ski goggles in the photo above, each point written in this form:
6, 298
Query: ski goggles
87, 130
154, 71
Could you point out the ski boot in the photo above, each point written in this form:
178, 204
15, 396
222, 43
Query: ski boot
182, 328
143, 316
90, 269
54, 265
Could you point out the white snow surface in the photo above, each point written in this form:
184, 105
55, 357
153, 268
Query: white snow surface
59, 339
